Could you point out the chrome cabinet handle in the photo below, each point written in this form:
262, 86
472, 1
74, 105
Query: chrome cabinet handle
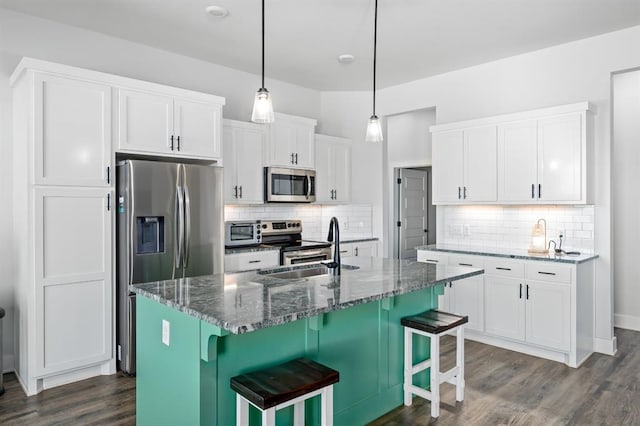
108, 174
109, 202
520, 290
255, 261
527, 291
296, 158
171, 142
503, 269
465, 192
533, 191
539, 190
459, 195
465, 264
240, 191
356, 251
546, 273
292, 158
235, 188
178, 142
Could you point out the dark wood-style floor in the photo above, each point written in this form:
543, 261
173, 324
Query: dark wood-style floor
503, 387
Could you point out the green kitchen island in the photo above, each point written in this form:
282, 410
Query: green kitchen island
194, 334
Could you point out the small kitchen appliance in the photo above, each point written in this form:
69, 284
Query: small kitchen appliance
287, 234
243, 233
282, 185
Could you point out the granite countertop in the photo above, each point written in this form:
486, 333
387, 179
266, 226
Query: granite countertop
253, 249
507, 252
244, 302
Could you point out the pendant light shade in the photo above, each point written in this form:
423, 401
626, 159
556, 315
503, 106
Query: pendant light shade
374, 130
262, 105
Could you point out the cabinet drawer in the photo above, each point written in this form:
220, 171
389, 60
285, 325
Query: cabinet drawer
474, 261
547, 271
346, 250
432, 257
251, 260
504, 267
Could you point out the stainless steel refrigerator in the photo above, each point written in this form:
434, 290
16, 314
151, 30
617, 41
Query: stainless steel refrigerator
169, 225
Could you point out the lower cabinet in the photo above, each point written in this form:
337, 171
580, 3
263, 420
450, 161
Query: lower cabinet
364, 249
248, 261
543, 308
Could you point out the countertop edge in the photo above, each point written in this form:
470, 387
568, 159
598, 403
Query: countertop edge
479, 252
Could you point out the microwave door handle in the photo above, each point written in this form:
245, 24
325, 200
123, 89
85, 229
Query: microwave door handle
308, 186
187, 226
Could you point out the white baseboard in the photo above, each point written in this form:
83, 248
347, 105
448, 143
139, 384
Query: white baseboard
73, 376
605, 346
629, 322
7, 363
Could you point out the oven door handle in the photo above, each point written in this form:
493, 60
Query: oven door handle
307, 253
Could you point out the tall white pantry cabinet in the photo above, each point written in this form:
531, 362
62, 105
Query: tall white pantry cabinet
65, 137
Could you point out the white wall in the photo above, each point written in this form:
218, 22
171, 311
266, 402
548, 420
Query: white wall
562, 74
626, 197
24, 35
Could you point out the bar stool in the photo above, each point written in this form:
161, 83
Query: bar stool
433, 324
291, 383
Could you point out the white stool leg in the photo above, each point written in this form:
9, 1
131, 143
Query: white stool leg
408, 364
326, 410
269, 417
298, 414
435, 375
460, 363
242, 411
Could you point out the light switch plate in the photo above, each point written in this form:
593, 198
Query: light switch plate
166, 331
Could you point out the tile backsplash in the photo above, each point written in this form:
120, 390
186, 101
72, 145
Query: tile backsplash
510, 226
355, 219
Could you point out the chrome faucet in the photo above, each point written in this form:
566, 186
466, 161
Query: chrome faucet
334, 229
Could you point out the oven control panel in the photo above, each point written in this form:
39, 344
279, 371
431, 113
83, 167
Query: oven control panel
275, 227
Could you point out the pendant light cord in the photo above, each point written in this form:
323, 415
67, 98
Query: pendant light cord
375, 43
263, 43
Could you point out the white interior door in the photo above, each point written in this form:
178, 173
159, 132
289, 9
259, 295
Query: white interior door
413, 213
197, 128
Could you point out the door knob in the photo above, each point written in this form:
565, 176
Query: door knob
426, 230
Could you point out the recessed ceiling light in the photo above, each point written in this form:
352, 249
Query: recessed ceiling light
217, 11
346, 58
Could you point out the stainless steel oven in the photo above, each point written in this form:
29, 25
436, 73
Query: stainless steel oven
283, 185
295, 257
242, 233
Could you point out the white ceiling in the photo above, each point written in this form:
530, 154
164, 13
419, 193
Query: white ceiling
416, 38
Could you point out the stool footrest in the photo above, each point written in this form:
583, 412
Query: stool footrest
448, 375
421, 366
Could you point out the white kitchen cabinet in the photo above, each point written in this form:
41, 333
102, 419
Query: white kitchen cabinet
362, 248
250, 260
243, 173
73, 278
466, 168
72, 125
333, 170
542, 308
291, 142
542, 156
156, 123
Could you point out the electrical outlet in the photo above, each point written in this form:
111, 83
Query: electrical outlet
166, 332
466, 229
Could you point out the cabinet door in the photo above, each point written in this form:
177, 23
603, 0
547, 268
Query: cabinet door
197, 128
73, 276
250, 173
304, 147
325, 178
517, 161
548, 314
342, 172
230, 185
247, 261
366, 249
447, 167
282, 144
504, 307
468, 299
145, 122
480, 158
72, 131
560, 156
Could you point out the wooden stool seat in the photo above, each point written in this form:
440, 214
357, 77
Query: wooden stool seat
432, 324
290, 383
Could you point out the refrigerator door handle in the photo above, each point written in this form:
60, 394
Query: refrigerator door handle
187, 226
178, 245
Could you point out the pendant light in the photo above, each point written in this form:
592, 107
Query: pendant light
374, 130
262, 105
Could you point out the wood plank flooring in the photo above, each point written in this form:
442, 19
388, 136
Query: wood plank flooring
502, 387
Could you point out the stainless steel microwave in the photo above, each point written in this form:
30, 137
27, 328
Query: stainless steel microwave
242, 233
283, 185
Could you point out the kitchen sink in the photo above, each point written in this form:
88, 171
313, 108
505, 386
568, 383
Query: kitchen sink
303, 272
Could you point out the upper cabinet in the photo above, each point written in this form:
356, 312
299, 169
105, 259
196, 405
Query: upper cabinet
291, 142
465, 168
160, 124
536, 157
72, 131
333, 170
243, 173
